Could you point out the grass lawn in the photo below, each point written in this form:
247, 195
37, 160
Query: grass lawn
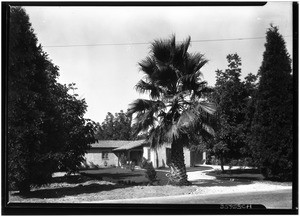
188, 169
101, 184
136, 177
123, 176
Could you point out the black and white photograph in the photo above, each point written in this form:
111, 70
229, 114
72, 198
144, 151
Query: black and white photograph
147, 104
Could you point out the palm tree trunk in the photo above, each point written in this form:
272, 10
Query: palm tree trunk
179, 176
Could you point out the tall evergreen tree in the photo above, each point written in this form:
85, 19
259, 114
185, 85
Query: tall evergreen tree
272, 126
46, 128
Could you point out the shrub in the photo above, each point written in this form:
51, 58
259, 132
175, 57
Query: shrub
123, 160
150, 171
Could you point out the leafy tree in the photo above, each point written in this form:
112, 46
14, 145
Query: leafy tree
71, 132
46, 128
177, 103
115, 127
272, 126
232, 97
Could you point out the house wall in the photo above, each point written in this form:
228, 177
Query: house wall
159, 156
146, 152
149, 154
187, 157
94, 158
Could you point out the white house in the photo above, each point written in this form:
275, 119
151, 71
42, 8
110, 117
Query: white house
105, 153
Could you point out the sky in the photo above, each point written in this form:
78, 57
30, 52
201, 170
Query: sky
99, 48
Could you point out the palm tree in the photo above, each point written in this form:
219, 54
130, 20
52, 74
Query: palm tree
177, 102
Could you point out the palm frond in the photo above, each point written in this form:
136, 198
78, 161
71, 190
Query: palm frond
202, 86
189, 81
166, 76
142, 105
170, 98
148, 66
202, 90
208, 129
207, 107
156, 137
161, 50
186, 44
195, 62
197, 117
154, 90
202, 63
173, 132
187, 118
180, 54
145, 120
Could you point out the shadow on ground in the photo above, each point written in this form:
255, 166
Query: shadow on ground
68, 191
71, 186
113, 176
89, 182
237, 174
234, 171
220, 183
188, 169
118, 175
198, 168
86, 183
71, 179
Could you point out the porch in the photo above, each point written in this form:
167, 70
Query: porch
132, 151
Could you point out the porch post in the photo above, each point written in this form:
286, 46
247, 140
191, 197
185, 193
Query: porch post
128, 155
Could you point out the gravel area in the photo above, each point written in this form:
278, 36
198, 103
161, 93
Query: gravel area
253, 186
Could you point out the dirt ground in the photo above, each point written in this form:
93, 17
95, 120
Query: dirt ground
96, 191
84, 189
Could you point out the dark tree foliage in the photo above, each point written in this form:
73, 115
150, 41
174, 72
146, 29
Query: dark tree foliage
272, 127
233, 99
46, 128
115, 127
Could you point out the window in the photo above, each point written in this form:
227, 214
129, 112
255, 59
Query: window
105, 155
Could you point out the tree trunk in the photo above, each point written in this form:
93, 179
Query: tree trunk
24, 187
222, 163
178, 170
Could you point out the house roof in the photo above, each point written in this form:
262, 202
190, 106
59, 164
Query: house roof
116, 144
131, 145
109, 143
